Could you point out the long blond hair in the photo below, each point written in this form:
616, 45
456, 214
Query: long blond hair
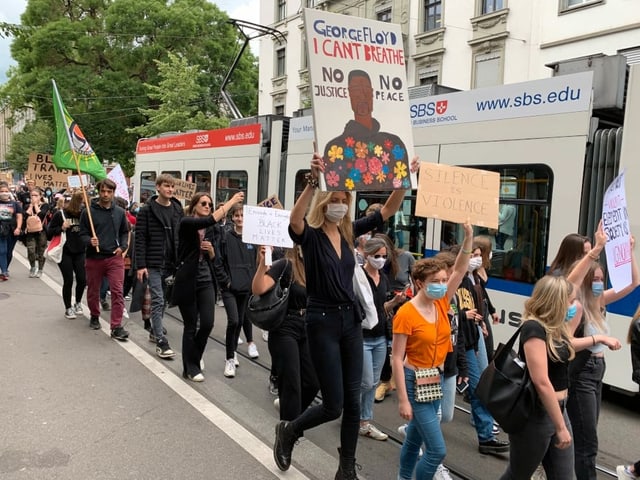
548, 305
593, 313
319, 203
297, 265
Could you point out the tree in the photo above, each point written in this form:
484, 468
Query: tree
102, 53
37, 136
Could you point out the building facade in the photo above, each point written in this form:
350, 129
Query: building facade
461, 44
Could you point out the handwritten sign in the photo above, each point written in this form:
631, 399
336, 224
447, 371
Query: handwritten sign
272, 202
456, 193
122, 189
184, 190
266, 226
615, 221
73, 181
360, 101
44, 173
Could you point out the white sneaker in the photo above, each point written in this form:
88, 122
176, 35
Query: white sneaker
202, 364
125, 314
236, 363
240, 341
78, 309
442, 473
69, 313
265, 335
624, 474
402, 430
369, 430
229, 368
253, 350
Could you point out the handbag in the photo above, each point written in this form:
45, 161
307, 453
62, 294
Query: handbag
505, 388
267, 311
364, 297
428, 384
56, 245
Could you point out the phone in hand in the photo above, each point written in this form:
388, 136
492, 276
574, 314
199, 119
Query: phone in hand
462, 386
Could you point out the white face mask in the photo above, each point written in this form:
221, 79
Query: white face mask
474, 263
335, 212
376, 263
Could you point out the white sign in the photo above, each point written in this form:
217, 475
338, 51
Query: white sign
73, 181
301, 128
562, 94
266, 226
615, 221
122, 189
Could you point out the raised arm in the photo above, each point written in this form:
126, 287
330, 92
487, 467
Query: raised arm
261, 281
462, 261
580, 270
221, 212
296, 219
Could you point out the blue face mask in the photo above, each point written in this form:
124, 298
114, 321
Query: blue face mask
436, 290
571, 312
597, 288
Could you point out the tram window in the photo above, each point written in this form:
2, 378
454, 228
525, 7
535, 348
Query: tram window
202, 179
174, 173
300, 183
229, 182
147, 186
520, 243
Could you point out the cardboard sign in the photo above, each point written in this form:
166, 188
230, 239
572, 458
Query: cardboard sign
74, 181
44, 173
615, 221
266, 226
456, 194
272, 202
184, 190
360, 102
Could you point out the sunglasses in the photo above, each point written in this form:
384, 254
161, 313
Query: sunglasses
380, 256
206, 204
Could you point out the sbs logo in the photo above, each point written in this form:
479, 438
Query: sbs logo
204, 138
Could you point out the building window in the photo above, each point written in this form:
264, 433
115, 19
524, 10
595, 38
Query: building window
429, 80
228, 183
488, 6
569, 4
279, 110
281, 62
281, 13
432, 14
488, 70
384, 15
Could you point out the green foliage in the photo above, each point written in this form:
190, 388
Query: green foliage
37, 136
107, 58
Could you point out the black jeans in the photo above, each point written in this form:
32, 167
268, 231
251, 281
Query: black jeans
297, 381
194, 339
335, 343
235, 304
72, 263
585, 396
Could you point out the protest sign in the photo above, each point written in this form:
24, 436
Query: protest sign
73, 181
615, 222
357, 68
122, 189
456, 194
272, 202
266, 226
44, 173
184, 190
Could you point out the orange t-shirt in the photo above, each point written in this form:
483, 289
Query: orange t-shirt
427, 343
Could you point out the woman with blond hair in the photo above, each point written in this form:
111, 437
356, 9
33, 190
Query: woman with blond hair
334, 329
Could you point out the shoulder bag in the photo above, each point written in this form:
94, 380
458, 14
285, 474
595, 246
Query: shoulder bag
267, 311
56, 245
428, 386
505, 388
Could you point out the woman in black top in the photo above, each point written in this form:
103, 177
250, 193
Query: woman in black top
292, 366
546, 346
194, 288
327, 236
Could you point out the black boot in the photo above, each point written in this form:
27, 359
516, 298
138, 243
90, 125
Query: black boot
286, 438
347, 468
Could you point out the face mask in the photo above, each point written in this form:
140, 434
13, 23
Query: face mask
571, 312
365, 238
4, 196
597, 288
436, 290
376, 263
136, 210
335, 212
474, 263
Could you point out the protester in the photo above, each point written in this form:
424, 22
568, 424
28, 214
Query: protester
572, 248
36, 235
10, 224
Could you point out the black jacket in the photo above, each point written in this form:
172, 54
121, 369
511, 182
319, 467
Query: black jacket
112, 229
235, 263
156, 244
635, 351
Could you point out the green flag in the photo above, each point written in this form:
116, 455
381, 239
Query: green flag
73, 151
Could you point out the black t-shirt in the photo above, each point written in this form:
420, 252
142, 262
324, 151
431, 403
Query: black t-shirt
165, 213
558, 371
380, 293
298, 293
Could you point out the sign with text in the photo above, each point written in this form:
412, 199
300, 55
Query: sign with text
74, 181
44, 173
122, 189
184, 190
266, 226
615, 222
360, 101
456, 194
272, 202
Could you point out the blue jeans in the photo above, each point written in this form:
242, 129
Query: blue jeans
375, 352
448, 402
156, 280
4, 251
483, 360
424, 427
482, 419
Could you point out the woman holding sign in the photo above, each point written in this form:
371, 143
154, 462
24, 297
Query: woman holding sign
333, 323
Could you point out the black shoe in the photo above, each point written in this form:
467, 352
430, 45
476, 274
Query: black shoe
119, 333
106, 306
94, 323
347, 468
163, 350
493, 446
285, 440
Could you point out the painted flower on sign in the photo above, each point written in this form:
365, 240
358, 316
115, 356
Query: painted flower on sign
367, 178
349, 141
349, 184
375, 166
335, 153
377, 150
361, 164
355, 175
400, 170
398, 152
332, 178
361, 150
348, 153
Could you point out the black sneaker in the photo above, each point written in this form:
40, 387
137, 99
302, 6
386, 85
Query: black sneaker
285, 440
119, 333
493, 446
163, 350
94, 323
106, 306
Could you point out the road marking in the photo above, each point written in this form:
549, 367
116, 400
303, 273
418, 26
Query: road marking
235, 431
